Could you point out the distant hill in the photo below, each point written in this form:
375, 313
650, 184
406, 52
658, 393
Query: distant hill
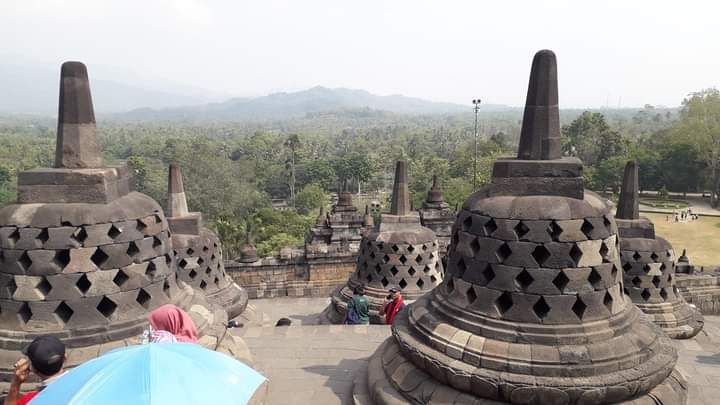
29, 88
301, 103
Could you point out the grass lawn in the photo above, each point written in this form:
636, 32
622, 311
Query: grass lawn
700, 237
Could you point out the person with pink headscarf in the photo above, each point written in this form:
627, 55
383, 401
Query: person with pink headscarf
171, 324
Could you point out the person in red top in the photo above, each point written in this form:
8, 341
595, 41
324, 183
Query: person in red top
45, 359
394, 303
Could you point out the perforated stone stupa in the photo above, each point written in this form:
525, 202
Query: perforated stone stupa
400, 253
198, 251
85, 258
340, 230
532, 309
649, 266
437, 215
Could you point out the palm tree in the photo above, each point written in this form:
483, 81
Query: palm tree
292, 142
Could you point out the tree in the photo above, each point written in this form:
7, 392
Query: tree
591, 139
309, 198
318, 171
609, 173
681, 169
700, 125
139, 168
292, 142
353, 166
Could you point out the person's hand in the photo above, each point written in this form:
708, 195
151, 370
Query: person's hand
22, 370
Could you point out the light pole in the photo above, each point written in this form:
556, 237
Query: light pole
477, 108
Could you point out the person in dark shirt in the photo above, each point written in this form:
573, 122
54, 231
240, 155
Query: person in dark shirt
358, 308
45, 359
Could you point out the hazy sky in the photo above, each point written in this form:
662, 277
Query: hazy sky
637, 51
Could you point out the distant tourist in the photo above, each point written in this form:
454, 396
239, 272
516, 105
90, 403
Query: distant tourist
45, 359
358, 308
394, 303
283, 322
171, 324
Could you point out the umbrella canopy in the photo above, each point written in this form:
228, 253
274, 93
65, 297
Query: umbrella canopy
153, 374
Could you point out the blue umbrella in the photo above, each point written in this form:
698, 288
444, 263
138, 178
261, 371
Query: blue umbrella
153, 374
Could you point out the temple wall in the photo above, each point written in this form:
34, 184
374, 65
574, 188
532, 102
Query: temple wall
295, 276
701, 290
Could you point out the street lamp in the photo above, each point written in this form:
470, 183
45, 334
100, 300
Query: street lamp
477, 108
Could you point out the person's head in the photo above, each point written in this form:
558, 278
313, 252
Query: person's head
176, 321
283, 322
46, 355
359, 290
394, 292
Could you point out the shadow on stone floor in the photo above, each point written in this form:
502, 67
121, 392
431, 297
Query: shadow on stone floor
713, 359
340, 377
311, 319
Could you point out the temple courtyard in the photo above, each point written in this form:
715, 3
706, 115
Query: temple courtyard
316, 364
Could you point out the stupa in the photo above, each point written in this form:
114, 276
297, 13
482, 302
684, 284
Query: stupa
683, 265
532, 309
340, 229
84, 257
437, 215
400, 253
198, 251
649, 266
248, 252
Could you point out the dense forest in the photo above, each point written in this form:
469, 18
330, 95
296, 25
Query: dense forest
232, 170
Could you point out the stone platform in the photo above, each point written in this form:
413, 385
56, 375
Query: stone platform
318, 364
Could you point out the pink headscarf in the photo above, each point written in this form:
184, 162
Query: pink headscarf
176, 321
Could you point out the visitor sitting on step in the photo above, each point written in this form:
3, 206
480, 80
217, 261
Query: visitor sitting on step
45, 359
358, 308
171, 324
393, 304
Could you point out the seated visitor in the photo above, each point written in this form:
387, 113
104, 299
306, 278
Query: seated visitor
393, 304
45, 359
358, 308
171, 324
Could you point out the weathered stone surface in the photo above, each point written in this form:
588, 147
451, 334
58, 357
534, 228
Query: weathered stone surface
534, 283
400, 253
61, 185
82, 257
400, 203
628, 205
540, 133
77, 145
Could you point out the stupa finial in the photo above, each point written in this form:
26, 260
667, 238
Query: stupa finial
77, 146
540, 135
628, 205
400, 204
177, 202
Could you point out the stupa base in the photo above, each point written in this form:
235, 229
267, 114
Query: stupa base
390, 378
678, 319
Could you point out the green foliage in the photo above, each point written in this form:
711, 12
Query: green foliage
272, 227
608, 174
272, 246
590, 138
231, 232
319, 171
699, 126
233, 169
456, 191
310, 198
139, 168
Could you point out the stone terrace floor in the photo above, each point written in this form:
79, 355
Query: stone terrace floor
315, 364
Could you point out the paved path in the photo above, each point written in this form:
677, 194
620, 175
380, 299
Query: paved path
316, 364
